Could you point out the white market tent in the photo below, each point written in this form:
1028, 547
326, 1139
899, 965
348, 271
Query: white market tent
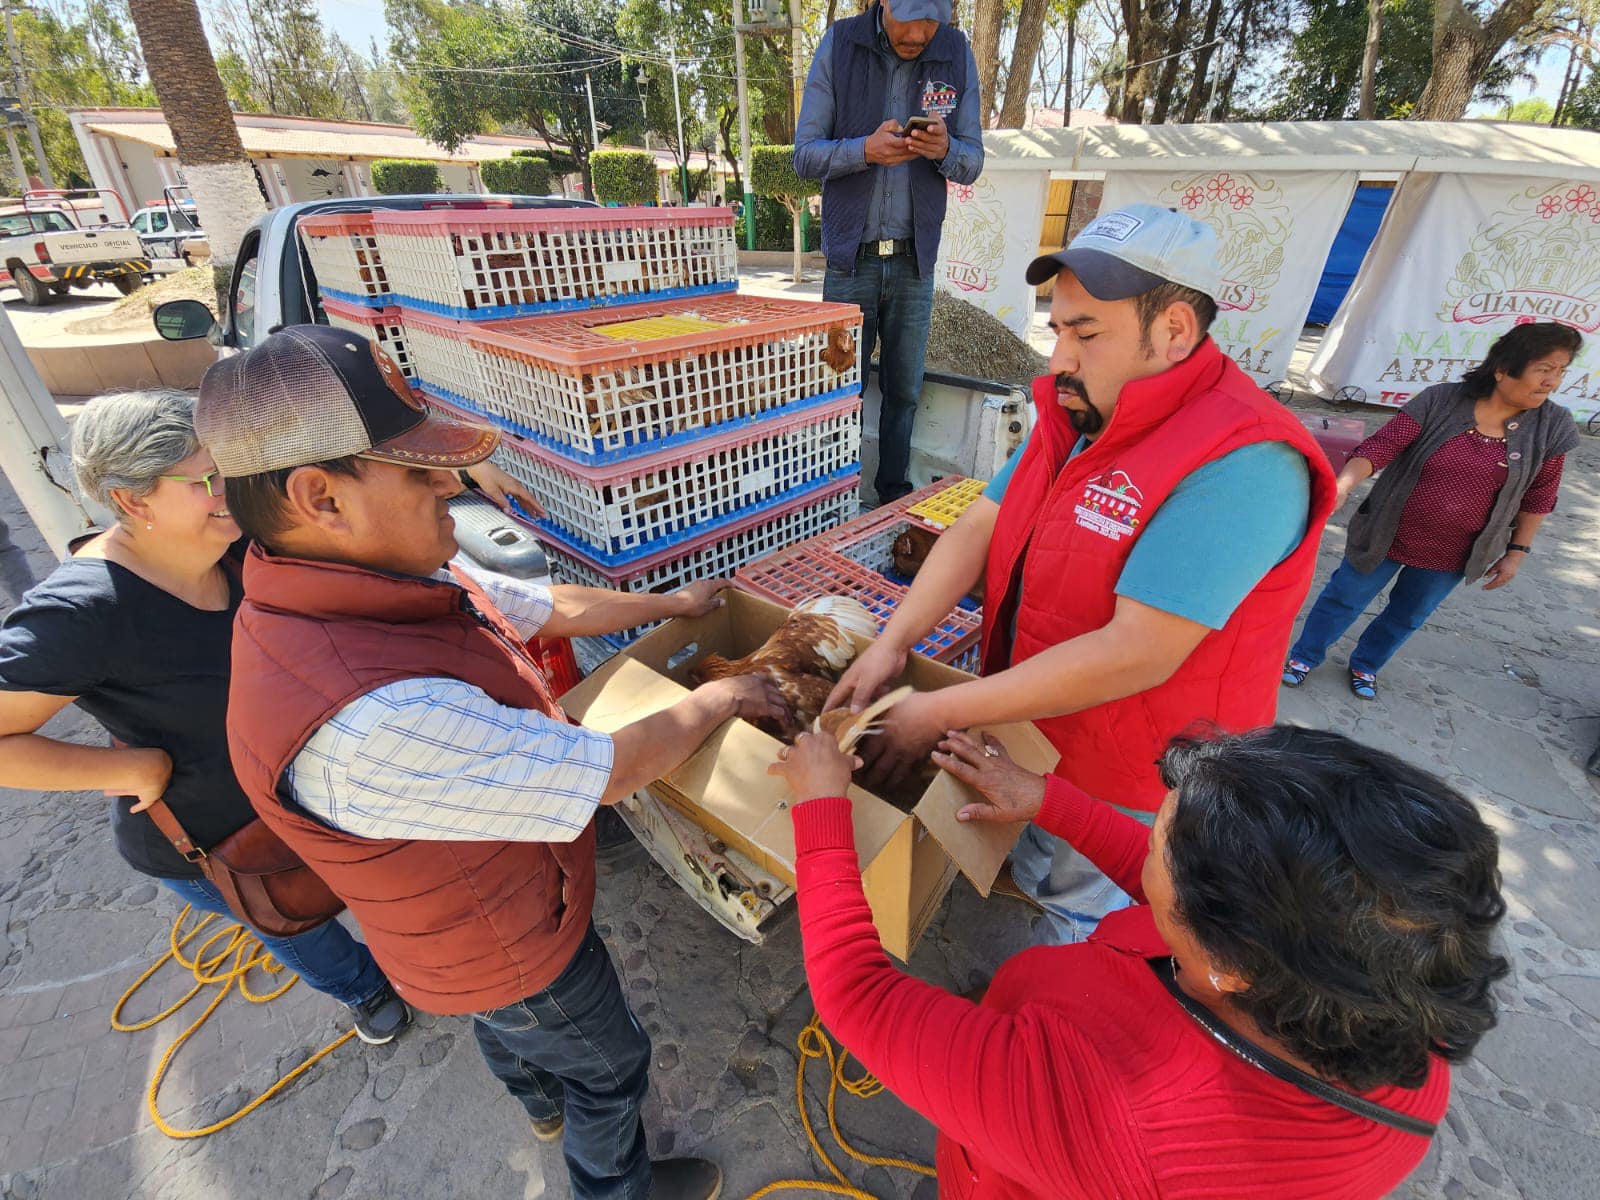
1492, 223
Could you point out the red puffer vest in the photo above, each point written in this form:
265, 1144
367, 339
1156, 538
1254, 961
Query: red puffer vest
1072, 525
458, 926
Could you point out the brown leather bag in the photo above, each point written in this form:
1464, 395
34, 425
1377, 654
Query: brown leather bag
265, 884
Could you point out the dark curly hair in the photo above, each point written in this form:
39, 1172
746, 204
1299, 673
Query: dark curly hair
1512, 351
1356, 894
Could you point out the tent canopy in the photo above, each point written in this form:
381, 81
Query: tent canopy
1370, 147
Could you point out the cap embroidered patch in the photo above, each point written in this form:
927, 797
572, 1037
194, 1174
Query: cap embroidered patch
1117, 226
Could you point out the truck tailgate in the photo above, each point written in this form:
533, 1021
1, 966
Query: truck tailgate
93, 246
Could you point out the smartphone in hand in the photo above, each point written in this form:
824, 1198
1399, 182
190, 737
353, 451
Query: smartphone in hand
916, 125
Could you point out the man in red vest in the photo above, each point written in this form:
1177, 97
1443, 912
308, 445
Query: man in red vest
387, 724
1144, 553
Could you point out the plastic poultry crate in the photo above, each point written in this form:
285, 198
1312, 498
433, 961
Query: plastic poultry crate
940, 510
871, 543
813, 570
345, 258
382, 325
445, 364
603, 384
715, 555
519, 262
619, 513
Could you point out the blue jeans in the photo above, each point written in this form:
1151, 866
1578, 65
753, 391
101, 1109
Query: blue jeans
326, 957
575, 1048
896, 309
1417, 592
1074, 892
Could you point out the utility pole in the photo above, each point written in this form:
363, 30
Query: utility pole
19, 79
594, 127
797, 69
33, 440
744, 126
677, 102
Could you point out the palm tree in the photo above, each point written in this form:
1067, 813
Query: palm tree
219, 174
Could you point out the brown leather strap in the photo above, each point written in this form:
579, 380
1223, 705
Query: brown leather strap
174, 832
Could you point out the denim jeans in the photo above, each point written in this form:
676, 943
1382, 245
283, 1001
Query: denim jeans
1417, 592
1074, 892
896, 309
327, 957
575, 1048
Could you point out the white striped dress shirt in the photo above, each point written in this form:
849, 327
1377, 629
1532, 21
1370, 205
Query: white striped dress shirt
434, 758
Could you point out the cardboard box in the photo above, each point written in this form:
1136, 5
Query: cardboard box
908, 861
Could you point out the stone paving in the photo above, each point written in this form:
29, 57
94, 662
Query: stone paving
1501, 693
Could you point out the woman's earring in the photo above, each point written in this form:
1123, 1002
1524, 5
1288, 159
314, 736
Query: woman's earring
148, 525
1216, 983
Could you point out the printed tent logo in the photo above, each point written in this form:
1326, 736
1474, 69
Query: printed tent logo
1537, 259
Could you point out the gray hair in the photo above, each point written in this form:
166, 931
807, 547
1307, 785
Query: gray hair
130, 439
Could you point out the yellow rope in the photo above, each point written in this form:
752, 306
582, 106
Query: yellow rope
246, 950
814, 1042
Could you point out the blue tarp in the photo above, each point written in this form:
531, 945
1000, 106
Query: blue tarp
1349, 248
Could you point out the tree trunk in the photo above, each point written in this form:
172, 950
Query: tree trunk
215, 166
1224, 96
1369, 61
987, 16
799, 243
1169, 69
1195, 104
1135, 77
1024, 56
1072, 46
1463, 49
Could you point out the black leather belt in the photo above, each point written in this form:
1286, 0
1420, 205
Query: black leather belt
886, 248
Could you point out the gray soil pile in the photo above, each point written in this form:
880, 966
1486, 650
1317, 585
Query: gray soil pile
965, 340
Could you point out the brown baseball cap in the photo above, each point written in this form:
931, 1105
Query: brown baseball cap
309, 393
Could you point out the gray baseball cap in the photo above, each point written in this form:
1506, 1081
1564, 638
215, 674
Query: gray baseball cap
1130, 250
920, 10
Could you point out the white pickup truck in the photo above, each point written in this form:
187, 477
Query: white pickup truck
47, 252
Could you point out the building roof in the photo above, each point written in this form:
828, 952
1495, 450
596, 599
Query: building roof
1371, 147
268, 134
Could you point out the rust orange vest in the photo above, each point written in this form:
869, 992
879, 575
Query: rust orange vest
458, 926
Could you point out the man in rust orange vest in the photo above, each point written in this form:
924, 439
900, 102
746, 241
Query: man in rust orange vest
386, 723
1144, 554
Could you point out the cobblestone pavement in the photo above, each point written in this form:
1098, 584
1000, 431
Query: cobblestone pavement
1501, 693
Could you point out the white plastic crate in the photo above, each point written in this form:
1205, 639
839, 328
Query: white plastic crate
445, 364
622, 512
345, 258
601, 385
718, 556
518, 262
382, 325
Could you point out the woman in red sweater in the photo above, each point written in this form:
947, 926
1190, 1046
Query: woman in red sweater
1311, 934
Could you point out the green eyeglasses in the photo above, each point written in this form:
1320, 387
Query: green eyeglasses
212, 480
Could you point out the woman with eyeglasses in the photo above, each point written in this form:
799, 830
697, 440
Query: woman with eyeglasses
1467, 472
136, 629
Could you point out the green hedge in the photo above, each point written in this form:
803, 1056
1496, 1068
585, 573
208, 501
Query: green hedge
517, 176
773, 230
623, 176
561, 163
406, 176
772, 174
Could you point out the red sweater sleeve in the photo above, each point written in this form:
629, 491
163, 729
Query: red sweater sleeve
1541, 494
1381, 449
992, 1081
1112, 841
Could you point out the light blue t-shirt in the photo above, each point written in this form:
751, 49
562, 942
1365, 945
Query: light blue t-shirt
1218, 533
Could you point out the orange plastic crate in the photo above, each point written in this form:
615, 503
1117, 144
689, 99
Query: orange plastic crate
810, 569
345, 258
381, 325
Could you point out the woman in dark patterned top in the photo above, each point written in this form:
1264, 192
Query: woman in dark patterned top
1470, 471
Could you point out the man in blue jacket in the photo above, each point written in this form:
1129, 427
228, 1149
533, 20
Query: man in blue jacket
890, 115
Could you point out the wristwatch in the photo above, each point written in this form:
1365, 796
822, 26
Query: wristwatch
1520, 546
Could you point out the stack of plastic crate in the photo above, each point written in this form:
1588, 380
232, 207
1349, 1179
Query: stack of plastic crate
856, 559
353, 284
672, 428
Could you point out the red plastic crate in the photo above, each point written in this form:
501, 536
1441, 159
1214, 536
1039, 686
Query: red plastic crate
382, 325
810, 570
517, 262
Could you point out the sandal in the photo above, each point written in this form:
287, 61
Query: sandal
1294, 673
1364, 684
